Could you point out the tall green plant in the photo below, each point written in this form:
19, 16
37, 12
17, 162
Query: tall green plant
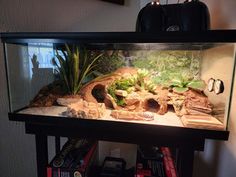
74, 67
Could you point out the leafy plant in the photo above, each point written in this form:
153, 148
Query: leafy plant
119, 100
179, 82
135, 82
112, 60
180, 85
68, 67
121, 84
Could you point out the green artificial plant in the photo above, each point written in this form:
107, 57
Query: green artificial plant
73, 67
182, 83
132, 83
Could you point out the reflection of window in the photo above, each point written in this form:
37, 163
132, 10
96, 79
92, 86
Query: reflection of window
44, 53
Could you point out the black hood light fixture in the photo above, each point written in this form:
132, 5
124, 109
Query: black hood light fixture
191, 15
157, 2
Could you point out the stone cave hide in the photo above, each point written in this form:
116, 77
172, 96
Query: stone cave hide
95, 91
138, 101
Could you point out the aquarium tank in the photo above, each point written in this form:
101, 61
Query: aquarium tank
158, 82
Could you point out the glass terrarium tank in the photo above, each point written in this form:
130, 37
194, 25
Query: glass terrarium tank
136, 80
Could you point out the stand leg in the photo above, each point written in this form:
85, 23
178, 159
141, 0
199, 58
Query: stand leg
42, 154
57, 144
185, 162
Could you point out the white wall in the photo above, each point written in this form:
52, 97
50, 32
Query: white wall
17, 150
219, 158
67, 15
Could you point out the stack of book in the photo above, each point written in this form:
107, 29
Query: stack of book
170, 169
74, 160
154, 162
149, 162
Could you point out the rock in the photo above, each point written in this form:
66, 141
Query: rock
48, 95
202, 122
87, 110
197, 101
121, 93
151, 104
191, 102
88, 92
110, 99
200, 109
67, 101
132, 98
44, 100
177, 101
127, 115
132, 107
163, 107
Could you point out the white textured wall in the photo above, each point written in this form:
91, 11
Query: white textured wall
67, 15
219, 158
17, 150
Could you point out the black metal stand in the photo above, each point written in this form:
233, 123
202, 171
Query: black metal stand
185, 163
186, 140
42, 154
185, 153
57, 144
